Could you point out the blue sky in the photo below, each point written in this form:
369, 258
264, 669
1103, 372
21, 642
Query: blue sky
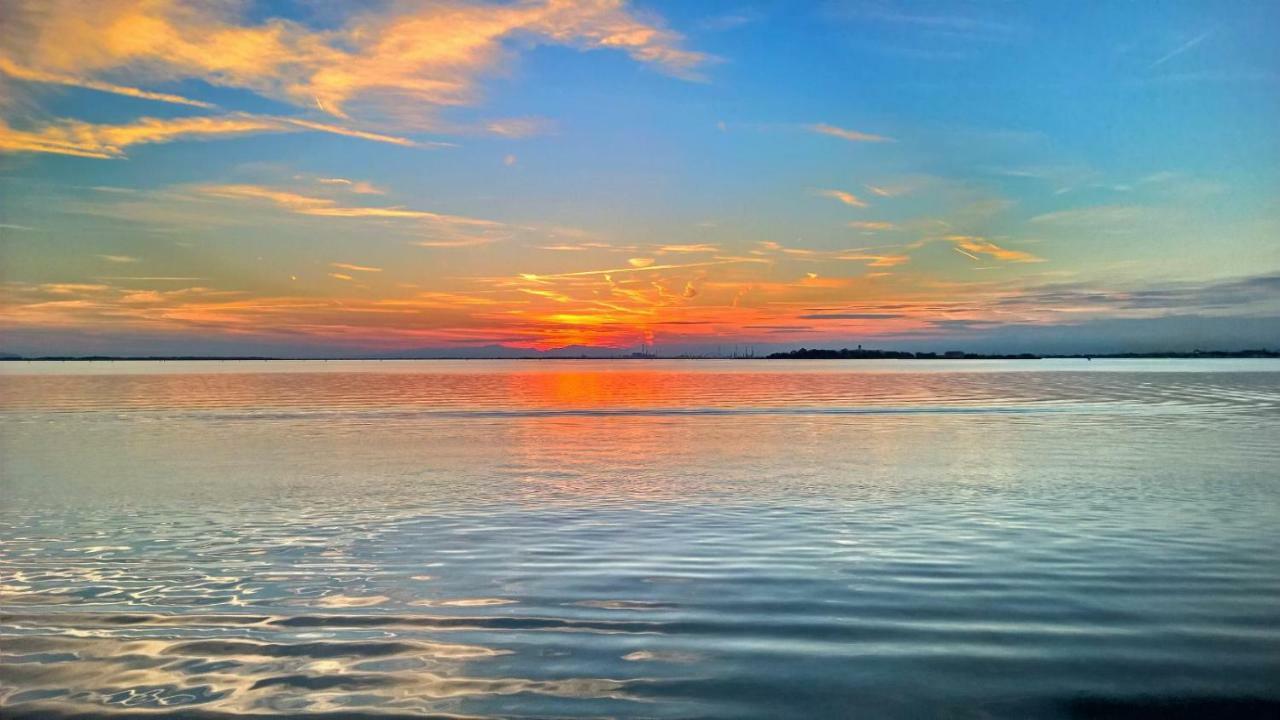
320, 178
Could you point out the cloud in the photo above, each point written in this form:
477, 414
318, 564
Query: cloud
850, 316
72, 288
516, 128
731, 20
845, 134
1108, 216
81, 139
873, 259
71, 137
891, 190
771, 246
456, 243
689, 248
871, 225
340, 276
421, 56
355, 268
119, 258
876, 260
361, 134
844, 197
327, 207
1184, 47
536, 277
549, 294
359, 187
8, 67
578, 247
956, 34
148, 278
380, 212
972, 247
1259, 292
640, 262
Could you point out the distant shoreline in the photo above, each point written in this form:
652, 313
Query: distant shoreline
802, 354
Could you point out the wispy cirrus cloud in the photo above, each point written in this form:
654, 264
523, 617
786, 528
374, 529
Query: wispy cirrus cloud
1184, 47
1107, 218
520, 127
328, 207
355, 133
534, 277
850, 316
12, 69
359, 187
688, 248
355, 268
847, 134
106, 142
876, 260
582, 246
461, 242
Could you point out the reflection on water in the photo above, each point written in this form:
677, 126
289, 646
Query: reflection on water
657, 539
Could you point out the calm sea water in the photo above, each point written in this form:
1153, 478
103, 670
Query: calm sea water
640, 539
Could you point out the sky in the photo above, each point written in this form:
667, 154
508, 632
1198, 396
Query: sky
336, 178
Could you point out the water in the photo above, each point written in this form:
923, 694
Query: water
640, 539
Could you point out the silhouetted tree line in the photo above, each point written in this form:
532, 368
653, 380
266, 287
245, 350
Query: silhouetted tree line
860, 354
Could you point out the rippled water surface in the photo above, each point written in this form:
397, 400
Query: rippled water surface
640, 539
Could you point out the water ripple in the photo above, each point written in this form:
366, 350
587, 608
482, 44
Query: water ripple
587, 540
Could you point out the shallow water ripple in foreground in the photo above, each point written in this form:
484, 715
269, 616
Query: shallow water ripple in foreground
829, 543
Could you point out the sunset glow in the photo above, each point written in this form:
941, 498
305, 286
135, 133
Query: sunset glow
237, 177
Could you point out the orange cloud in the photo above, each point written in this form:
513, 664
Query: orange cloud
8, 67
431, 54
844, 197
876, 260
975, 246
614, 271
72, 137
456, 243
355, 268
326, 207
582, 246
689, 248
551, 294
